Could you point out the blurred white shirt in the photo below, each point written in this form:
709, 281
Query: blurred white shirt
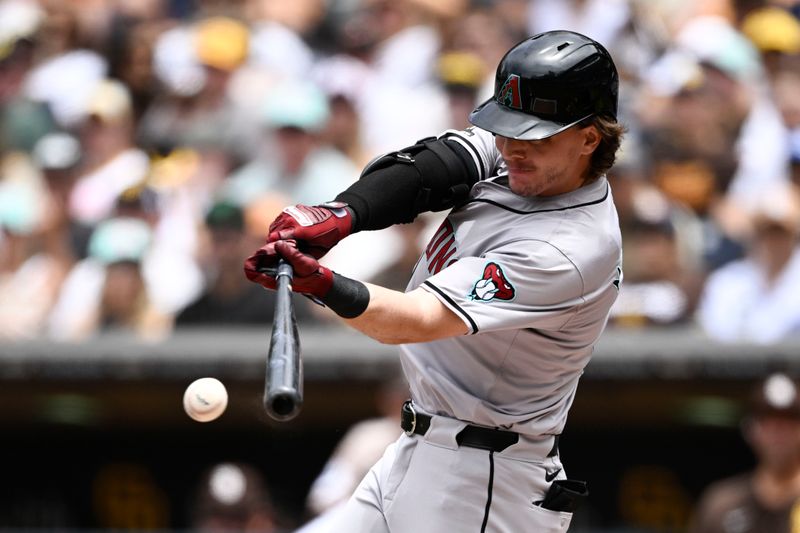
738, 305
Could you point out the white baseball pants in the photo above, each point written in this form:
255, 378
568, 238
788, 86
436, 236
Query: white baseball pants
428, 484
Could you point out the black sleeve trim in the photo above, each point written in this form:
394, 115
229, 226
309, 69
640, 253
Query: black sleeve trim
454, 305
478, 160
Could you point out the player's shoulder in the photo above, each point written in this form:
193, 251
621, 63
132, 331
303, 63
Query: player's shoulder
477, 141
471, 133
480, 145
525, 251
727, 493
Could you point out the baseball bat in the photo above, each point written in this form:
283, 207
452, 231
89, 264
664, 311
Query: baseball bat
283, 388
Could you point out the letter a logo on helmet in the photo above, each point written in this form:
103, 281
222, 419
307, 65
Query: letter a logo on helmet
492, 285
509, 94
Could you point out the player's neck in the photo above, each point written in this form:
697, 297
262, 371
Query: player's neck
569, 186
777, 487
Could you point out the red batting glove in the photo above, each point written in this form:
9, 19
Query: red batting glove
316, 229
309, 276
256, 266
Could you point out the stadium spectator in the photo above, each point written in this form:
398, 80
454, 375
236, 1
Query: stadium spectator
775, 32
720, 107
602, 20
197, 63
66, 70
786, 91
293, 161
754, 299
23, 120
191, 81
462, 74
107, 290
133, 252
656, 289
111, 161
768, 497
31, 267
228, 298
232, 496
57, 155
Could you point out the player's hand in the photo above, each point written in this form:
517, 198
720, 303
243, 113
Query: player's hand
316, 229
309, 276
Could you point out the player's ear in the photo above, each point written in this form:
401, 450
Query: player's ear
591, 139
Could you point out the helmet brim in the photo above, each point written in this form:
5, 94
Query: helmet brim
500, 120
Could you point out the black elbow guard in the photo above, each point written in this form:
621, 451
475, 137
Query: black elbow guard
432, 175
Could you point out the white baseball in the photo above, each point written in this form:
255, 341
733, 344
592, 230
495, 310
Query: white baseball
485, 289
205, 399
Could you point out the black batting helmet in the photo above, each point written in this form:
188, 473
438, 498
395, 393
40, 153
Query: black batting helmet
547, 83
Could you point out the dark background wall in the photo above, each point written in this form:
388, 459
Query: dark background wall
94, 436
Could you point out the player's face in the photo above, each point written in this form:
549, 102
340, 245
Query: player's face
776, 440
550, 166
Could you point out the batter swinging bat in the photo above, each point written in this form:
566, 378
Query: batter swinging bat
283, 389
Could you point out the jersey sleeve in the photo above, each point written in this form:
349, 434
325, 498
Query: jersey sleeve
480, 145
511, 289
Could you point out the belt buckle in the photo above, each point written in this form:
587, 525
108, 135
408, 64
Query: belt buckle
413, 428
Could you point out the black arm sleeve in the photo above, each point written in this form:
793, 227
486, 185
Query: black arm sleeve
433, 175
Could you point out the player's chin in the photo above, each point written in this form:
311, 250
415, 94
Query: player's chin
522, 185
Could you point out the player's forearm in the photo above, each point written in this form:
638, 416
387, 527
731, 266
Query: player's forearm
385, 315
394, 317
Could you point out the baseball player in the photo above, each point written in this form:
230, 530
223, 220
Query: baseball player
505, 304
766, 498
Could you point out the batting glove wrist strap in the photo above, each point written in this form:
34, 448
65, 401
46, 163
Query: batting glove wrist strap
347, 297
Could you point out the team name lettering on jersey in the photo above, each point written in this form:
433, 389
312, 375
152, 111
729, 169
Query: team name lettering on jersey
441, 248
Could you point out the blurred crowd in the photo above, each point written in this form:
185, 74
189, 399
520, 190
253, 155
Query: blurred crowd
146, 145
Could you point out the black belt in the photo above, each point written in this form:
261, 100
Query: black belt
484, 438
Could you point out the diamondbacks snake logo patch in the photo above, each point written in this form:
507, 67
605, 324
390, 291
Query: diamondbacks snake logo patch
492, 285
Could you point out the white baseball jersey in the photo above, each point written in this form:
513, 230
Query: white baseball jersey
533, 279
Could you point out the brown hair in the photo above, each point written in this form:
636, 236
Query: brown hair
605, 154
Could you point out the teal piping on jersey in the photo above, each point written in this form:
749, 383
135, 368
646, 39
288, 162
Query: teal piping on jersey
454, 305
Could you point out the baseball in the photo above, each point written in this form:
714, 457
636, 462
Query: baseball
485, 288
205, 399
